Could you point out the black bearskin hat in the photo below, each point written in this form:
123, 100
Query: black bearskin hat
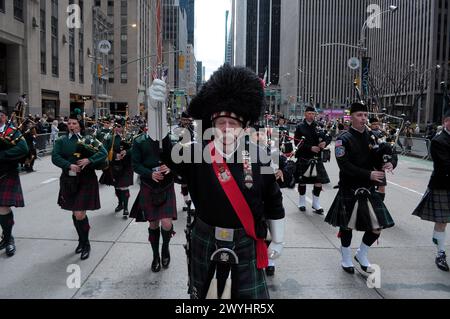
358, 107
310, 109
230, 90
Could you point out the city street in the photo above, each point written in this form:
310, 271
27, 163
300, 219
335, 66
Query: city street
119, 266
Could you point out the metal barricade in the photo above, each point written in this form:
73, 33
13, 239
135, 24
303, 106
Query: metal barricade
414, 146
45, 143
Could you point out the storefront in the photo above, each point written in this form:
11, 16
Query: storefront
50, 103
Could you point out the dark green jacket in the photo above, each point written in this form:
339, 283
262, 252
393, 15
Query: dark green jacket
116, 149
10, 157
63, 154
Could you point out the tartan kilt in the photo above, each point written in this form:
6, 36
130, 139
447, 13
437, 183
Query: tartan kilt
303, 165
11, 190
434, 206
341, 210
251, 282
87, 196
118, 179
144, 210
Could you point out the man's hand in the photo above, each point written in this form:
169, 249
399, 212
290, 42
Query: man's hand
315, 149
164, 169
279, 175
157, 176
377, 176
157, 91
388, 167
83, 163
74, 168
322, 145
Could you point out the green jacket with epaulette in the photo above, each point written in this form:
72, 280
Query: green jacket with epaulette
10, 157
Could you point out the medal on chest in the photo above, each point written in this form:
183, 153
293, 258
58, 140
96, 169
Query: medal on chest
248, 174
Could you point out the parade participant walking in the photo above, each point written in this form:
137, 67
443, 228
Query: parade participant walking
13, 148
156, 201
310, 167
356, 205
186, 123
120, 171
234, 199
435, 204
78, 158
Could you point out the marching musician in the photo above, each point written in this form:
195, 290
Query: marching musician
435, 204
235, 192
79, 191
310, 167
186, 122
105, 131
12, 149
120, 171
356, 205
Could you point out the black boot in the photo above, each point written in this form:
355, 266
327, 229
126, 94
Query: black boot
86, 246
165, 253
441, 261
7, 222
125, 197
119, 197
153, 238
77, 227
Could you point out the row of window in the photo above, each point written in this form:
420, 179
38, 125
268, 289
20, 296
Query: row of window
18, 9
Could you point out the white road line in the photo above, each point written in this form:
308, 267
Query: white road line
408, 189
48, 181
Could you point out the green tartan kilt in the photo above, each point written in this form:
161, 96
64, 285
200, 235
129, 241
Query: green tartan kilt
248, 282
341, 211
303, 165
87, 196
11, 190
434, 206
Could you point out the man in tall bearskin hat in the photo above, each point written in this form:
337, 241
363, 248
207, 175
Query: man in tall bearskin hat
187, 130
435, 204
357, 206
13, 148
310, 167
233, 188
79, 156
119, 172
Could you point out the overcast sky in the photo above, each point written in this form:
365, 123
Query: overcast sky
210, 33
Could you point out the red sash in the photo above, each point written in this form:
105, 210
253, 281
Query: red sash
239, 204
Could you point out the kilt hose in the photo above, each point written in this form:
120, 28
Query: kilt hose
145, 210
342, 207
86, 197
302, 167
11, 190
434, 206
248, 282
119, 178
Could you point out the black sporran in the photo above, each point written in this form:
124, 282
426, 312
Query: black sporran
69, 184
326, 155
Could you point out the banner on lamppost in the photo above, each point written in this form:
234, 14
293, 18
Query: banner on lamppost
365, 69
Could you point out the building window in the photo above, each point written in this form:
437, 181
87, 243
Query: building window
97, 3
110, 8
18, 10
2, 5
123, 41
81, 46
55, 53
43, 38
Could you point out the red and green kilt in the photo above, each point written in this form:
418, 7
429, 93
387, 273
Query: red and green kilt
119, 177
86, 197
434, 206
162, 206
248, 282
303, 165
342, 207
11, 190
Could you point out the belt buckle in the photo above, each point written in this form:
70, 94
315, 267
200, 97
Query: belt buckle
224, 234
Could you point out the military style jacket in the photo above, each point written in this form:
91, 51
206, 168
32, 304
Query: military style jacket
440, 153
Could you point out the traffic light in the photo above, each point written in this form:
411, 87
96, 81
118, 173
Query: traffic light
99, 70
181, 60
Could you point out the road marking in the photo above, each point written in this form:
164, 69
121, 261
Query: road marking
408, 189
48, 181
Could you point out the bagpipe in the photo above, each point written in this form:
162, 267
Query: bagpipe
88, 146
11, 134
187, 247
381, 150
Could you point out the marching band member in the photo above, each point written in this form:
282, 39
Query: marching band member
120, 171
310, 167
356, 205
435, 204
79, 190
12, 149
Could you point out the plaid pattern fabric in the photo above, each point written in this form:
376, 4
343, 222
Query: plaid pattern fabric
251, 282
124, 178
11, 190
434, 206
143, 209
86, 198
303, 165
342, 207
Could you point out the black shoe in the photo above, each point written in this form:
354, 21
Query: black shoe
125, 213
79, 248
364, 268
349, 270
165, 257
318, 211
156, 264
85, 251
118, 208
441, 262
302, 208
10, 247
270, 271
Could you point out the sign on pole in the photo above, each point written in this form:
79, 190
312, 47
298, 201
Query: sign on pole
354, 63
104, 46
